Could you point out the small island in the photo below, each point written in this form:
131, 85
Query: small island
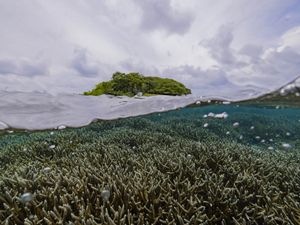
132, 84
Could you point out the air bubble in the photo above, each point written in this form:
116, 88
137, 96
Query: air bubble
222, 115
61, 127
211, 114
226, 103
236, 124
286, 145
46, 169
105, 194
26, 197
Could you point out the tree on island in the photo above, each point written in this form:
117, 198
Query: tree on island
131, 84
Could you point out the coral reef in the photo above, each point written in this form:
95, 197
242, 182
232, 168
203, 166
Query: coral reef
156, 169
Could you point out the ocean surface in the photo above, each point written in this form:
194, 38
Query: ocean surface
184, 162
40, 111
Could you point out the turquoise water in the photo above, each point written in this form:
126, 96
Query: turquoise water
178, 167
271, 127
258, 126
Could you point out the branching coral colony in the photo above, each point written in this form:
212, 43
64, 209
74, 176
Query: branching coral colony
145, 170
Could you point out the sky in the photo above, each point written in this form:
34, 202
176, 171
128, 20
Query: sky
210, 45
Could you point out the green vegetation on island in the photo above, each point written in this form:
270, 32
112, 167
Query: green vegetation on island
133, 83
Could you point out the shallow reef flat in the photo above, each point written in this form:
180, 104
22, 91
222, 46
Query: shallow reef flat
185, 166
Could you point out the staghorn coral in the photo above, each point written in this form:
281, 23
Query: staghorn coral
158, 169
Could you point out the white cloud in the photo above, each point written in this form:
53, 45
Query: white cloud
161, 15
270, 67
220, 47
22, 67
291, 39
70, 45
85, 65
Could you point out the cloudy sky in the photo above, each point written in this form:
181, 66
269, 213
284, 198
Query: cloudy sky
69, 45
